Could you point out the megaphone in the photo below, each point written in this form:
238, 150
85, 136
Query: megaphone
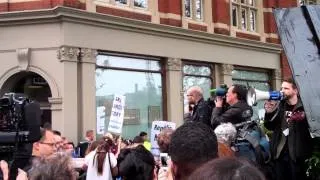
255, 95
220, 91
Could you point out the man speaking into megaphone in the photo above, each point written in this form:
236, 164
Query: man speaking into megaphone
291, 143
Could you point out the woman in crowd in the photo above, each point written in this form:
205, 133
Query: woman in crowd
102, 164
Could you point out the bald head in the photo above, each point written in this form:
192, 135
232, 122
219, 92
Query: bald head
194, 94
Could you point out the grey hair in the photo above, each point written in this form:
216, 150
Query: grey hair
54, 167
197, 89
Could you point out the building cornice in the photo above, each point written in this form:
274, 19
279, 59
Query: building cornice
64, 14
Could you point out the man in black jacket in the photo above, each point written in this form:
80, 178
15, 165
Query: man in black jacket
291, 142
201, 111
238, 110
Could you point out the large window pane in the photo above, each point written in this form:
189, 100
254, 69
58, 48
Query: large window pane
143, 92
234, 16
258, 80
187, 8
252, 20
199, 9
121, 1
243, 19
196, 70
127, 62
140, 3
197, 75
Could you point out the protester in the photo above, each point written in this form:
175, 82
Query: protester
146, 142
192, 145
136, 163
164, 139
55, 167
102, 164
83, 145
291, 143
201, 111
227, 169
238, 110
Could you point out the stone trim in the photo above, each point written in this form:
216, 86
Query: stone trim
23, 57
174, 64
227, 69
65, 14
88, 55
66, 53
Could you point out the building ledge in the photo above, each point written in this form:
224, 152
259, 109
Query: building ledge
64, 14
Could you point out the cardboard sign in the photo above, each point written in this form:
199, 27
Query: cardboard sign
157, 127
117, 113
101, 118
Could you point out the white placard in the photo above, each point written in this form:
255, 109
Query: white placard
157, 127
117, 114
101, 117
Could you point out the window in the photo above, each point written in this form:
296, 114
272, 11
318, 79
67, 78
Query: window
193, 9
309, 2
244, 14
139, 79
197, 75
132, 3
256, 79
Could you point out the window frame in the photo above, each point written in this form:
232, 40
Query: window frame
248, 9
161, 71
193, 13
212, 76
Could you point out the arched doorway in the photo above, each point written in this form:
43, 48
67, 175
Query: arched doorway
35, 88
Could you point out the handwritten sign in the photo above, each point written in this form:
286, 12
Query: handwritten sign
117, 114
157, 127
101, 117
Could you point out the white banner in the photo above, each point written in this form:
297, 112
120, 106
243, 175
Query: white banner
157, 127
117, 114
101, 118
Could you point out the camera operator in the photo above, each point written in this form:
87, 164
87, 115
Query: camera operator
238, 110
201, 111
291, 142
45, 147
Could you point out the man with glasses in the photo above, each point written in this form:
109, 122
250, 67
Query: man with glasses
46, 145
201, 111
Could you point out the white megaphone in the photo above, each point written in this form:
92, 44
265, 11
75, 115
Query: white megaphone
255, 95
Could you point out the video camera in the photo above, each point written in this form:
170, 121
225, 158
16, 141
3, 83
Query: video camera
220, 91
19, 120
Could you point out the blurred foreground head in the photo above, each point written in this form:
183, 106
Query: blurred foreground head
192, 144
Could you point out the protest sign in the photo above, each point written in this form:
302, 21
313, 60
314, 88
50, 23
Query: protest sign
157, 127
101, 117
117, 113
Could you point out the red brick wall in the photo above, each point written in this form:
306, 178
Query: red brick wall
221, 14
172, 7
123, 13
286, 71
41, 4
197, 27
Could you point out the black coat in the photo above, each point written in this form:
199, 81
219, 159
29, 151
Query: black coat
201, 112
237, 113
299, 139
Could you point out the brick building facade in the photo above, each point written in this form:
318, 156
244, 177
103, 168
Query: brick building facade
61, 42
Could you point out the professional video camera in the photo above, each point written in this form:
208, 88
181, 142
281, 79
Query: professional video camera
19, 121
220, 91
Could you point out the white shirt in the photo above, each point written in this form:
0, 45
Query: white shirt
92, 171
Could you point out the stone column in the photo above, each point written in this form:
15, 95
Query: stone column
226, 74
174, 91
56, 113
88, 90
70, 113
276, 79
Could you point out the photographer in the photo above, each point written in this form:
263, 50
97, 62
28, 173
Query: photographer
238, 110
291, 142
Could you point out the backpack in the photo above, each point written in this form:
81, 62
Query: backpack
251, 142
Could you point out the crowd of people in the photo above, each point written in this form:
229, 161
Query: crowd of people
209, 145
